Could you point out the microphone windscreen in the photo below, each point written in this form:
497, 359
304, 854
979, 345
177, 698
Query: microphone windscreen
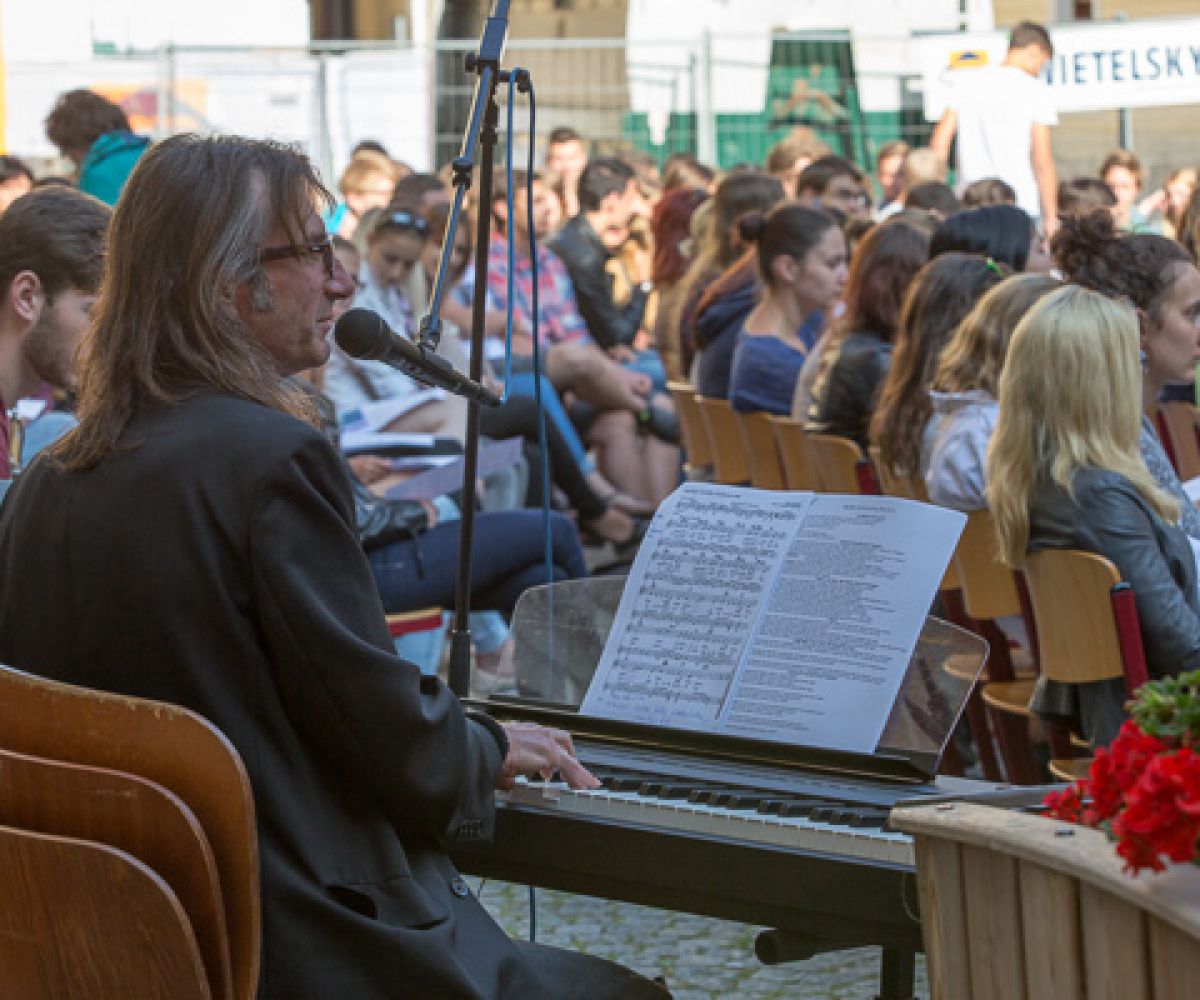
362, 333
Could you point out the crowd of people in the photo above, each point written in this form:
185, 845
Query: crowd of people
175, 361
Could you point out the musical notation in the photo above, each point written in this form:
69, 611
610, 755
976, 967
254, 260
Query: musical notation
780, 616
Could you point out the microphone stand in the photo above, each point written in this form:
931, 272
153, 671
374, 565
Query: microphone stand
480, 135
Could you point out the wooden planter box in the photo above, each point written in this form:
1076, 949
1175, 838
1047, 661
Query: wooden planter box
1018, 907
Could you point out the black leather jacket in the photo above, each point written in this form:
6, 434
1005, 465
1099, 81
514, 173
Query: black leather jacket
584, 254
1109, 517
844, 397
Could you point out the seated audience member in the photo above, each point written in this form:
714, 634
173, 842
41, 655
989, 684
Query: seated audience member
889, 172
789, 157
801, 258
608, 198
392, 284
965, 388
988, 191
1160, 279
920, 166
517, 416
1122, 172
1064, 472
94, 134
720, 250
832, 182
674, 249
934, 197
684, 171
617, 402
1004, 233
941, 295
367, 182
51, 255
1084, 195
419, 192
837, 388
566, 157
16, 179
1165, 207
215, 491
1188, 233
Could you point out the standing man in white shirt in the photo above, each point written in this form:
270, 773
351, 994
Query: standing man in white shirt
1003, 115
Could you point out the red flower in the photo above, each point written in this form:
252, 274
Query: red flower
1162, 812
1116, 769
1066, 805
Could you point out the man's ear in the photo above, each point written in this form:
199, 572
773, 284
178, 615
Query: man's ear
26, 297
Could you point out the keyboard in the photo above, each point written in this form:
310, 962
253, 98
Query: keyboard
761, 805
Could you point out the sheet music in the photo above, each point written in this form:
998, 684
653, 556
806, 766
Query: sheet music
781, 616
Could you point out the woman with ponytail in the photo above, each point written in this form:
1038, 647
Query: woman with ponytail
801, 258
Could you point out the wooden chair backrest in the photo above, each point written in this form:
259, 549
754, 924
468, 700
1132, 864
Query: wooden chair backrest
799, 470
1071, 596
696, 446
730, 461
894, 485
1177, 420
80, 919
758, 438
133, 815
836, 459
910, 488
166, 744
1020, 906
989, 588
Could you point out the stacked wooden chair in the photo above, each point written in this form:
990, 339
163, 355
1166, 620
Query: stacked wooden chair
128, 853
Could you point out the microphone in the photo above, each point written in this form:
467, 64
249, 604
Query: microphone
363, 334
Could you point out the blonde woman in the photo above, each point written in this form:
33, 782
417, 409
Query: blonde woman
965, 387
1064, 471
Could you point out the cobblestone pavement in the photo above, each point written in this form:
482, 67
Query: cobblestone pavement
702, 959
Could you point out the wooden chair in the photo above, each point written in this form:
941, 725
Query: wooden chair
989, 592
758, 439
697, 450
80, 919
133, 815
799, 471
1177, 427
170, 746
1087, 624
841, 465
950, 592
1020, 906
731, 463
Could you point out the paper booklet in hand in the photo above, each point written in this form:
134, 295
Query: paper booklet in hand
788, 617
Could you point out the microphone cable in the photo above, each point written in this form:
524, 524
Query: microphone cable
516, 76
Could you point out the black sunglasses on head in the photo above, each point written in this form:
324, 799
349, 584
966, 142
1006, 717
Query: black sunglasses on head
402, 220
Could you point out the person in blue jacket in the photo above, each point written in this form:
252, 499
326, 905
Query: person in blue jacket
93, 133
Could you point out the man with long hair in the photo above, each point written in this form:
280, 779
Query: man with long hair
193, 541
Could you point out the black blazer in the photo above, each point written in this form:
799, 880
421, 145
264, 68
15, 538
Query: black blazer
214, 563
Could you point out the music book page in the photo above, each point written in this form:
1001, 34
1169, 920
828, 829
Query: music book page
788, 617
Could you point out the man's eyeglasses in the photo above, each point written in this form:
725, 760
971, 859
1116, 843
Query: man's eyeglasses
322, 246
